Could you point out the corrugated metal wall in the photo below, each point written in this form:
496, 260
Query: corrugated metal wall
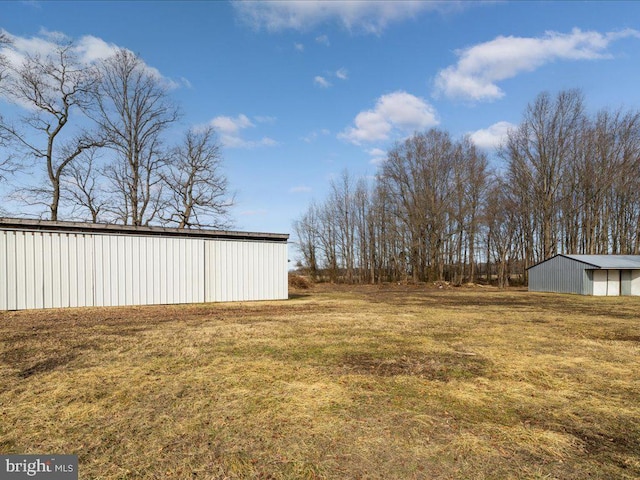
630, 282
562, 275
55, 269
635, 282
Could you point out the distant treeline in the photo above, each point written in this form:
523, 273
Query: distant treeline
570, 183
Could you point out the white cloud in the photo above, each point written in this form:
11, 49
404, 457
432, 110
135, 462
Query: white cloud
395, 113
300, 189
315, 134
491, 138
230, 125
230, 129
92, 49
298, 47
321, 82
378, 156
265, 119
342, 74
359, 16
323, 40
88, 49
481, 66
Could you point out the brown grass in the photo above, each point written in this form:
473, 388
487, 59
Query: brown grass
393, 382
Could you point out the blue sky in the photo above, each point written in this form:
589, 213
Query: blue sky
299, 91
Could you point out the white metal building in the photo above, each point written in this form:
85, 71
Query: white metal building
609, 275
47, 264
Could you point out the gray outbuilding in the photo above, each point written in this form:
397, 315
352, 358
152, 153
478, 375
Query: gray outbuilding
604, 275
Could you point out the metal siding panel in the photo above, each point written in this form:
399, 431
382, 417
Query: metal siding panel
122, 283
3, 270
284, 268
90, 276
635, 282
99, 285
133, 257
277, 268
199, 257
245, 269
259, 265
187, 268
38, 266
11, 271
225, 273
220, 267
207, 277
72, 270
173, 277
180, 262
203, 269
111, 270
141, 286
99, 246
47, 267
56, 269
558, 274
625, 282
271, 272
21, 277
59, 269
232, 271
174, 259
242, 270
81, 269
108, 291
153, 275
233, 268
162, 254
29, 270
214, 268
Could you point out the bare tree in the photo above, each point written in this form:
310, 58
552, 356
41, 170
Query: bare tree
198, 190
133, 111
53, 88
307, 232
83, 186
538, 154
7, 165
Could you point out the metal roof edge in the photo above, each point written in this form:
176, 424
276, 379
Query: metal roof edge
565, 256
103, 228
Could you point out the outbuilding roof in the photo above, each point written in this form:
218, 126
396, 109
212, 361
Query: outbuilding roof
79, 227
604, 262
609, 261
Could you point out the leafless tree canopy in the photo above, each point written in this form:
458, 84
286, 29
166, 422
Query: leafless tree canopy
99, 135
198, 190
569, 184
54, 89
133, 112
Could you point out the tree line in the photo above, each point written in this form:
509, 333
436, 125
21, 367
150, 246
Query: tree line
98, 133
568, 182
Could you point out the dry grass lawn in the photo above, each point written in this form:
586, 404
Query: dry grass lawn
386, 382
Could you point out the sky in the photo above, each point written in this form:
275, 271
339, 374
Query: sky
299, 91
